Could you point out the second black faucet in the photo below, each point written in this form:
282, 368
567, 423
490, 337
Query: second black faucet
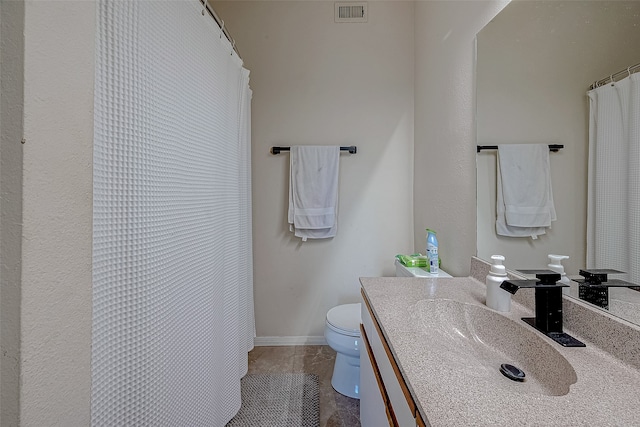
548, 305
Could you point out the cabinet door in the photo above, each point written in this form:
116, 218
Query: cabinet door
399, 397
373, 408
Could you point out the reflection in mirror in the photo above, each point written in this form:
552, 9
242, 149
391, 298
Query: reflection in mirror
536, 61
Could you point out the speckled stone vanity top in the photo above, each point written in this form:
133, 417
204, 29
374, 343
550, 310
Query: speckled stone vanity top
606, 393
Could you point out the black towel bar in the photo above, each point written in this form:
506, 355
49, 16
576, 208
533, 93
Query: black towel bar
351, 149
552, 147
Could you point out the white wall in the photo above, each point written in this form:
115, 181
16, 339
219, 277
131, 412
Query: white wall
536, 61
57, 213
11, 103
318, 82
445, 171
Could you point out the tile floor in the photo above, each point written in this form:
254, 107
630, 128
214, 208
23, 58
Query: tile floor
336, 410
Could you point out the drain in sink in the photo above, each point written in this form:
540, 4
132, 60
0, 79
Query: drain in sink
511, 372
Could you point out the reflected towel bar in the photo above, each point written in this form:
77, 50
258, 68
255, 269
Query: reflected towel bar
552, 147
352, 149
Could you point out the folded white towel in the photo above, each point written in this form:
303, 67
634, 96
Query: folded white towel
313, 191
524, 203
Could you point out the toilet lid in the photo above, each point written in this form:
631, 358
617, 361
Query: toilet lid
345, 317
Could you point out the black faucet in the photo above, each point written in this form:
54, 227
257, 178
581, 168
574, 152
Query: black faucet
548, 294
594, 288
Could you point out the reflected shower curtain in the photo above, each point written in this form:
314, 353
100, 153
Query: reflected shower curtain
172, 263
613, 220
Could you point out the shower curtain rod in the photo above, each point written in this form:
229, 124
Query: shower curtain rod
612, 78
552, 147
220, 23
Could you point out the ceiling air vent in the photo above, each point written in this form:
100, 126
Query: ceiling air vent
351, 12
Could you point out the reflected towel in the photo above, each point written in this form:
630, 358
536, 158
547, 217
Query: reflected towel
524, 204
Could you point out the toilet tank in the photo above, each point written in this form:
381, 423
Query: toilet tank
402, 271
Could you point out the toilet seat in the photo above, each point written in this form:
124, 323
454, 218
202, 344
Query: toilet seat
345, 319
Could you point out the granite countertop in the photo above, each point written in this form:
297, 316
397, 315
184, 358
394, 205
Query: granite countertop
606, 393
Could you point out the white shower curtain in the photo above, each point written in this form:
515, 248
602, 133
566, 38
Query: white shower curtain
613, 220
172, 263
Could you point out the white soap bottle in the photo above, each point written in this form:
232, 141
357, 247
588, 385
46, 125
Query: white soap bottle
555, 264
497, 298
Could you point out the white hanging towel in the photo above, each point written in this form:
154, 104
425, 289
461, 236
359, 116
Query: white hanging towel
313, 191
524, 197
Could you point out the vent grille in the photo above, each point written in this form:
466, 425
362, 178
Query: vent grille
351, 12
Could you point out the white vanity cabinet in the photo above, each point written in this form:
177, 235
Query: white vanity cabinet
385, 399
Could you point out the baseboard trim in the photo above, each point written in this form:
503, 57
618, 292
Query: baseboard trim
282, 341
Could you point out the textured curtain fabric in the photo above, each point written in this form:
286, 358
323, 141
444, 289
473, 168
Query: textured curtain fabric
613, 220
172, 264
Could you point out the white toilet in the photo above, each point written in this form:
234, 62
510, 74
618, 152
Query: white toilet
342, 332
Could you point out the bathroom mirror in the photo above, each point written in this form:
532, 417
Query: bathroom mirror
535, 63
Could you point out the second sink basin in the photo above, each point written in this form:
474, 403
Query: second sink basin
474, 341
